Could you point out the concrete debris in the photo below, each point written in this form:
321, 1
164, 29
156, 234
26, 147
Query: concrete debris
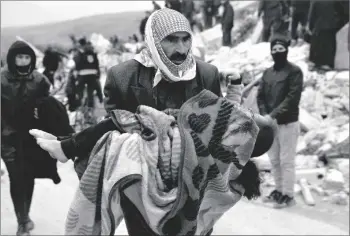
333, 181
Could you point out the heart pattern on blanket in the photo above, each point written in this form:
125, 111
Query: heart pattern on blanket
199, 123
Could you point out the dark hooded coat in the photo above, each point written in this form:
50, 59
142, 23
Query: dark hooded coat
20, 95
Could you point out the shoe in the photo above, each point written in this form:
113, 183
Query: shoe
285, 201
22, 230
30, 225
273, 197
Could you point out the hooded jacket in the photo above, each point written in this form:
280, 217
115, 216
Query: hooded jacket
19, 94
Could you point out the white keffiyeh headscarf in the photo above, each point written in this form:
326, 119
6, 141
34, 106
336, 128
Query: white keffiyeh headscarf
159, 25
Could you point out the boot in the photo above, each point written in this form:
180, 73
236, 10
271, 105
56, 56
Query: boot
30, 225
22, 230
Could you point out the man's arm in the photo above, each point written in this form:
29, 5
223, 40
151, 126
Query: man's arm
261, 97
216, 88
82, 143
295, 81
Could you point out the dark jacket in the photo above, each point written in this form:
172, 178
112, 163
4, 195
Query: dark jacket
279, 93
129, 85
323, 15
53, 119
86, 58
273, 10
51, 60
19, 95
301, 6
228, 16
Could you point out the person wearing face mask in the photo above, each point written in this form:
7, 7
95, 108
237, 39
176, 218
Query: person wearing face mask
21, 88
278, 98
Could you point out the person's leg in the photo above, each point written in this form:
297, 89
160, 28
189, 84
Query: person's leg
98, 90
274, 155
81, 87
294, 27
91, 86
265, 33
225, 37
29, 194
18, 195
288, 135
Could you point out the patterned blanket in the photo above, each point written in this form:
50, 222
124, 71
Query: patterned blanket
186, 169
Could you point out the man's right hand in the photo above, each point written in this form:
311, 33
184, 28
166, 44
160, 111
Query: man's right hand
49, 143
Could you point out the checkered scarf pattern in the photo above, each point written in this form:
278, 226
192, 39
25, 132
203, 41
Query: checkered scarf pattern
159, 25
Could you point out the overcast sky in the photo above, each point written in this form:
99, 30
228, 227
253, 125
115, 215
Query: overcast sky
20, 13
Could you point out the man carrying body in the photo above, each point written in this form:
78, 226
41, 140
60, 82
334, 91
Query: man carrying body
162, 76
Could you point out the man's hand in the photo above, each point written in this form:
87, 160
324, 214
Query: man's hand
49, 143
53, 147
42, 134
231, 75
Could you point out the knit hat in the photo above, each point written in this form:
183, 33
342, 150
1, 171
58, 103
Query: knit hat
159, 25
281, 39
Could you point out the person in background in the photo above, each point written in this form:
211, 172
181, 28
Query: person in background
324, 21
278, 99
188, 11
274, 14
143, 24
299, 11
88, 71
227, 23
173, 4
155, 6
208, 13
51, 63
21, 88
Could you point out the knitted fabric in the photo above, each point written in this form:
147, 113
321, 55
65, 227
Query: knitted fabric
201, 159
159, 25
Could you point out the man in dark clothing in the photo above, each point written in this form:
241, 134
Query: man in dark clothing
152, 78
51, 62
21, 88
208, 13
188, 11
88, 70
274, 13
278, 98
300, 10
143, 24
227, 24
324, 22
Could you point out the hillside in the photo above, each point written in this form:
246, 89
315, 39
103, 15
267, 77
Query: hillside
123, 24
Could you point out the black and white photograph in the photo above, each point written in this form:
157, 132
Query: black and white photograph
175, 117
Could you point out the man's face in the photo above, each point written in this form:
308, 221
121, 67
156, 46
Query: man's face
176, 46
22, 60
278, 48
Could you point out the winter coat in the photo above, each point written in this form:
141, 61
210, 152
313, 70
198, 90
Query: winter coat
53, 119
323, 15
280, 92
19, 95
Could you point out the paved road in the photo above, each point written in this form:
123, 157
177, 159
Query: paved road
51, 202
